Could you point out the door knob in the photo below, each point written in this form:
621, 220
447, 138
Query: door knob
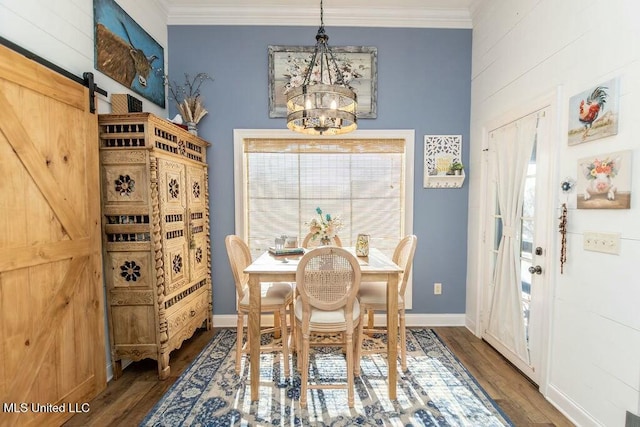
535, 270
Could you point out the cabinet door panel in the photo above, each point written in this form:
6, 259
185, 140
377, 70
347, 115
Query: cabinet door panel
197, 189
173, 219
176, 261
171, 185
198, 217
125, 177
199, 256
130, 269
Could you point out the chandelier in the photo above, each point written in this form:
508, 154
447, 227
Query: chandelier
324, 104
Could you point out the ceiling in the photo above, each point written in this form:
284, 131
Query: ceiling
360, 13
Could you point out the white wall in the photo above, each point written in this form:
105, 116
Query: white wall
61, 31
525, 49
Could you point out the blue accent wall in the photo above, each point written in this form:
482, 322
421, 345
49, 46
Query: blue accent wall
424, 83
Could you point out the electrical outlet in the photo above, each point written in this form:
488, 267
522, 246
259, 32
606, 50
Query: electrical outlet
437, 288
602, 242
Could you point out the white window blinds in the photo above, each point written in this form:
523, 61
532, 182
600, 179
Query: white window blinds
361, 180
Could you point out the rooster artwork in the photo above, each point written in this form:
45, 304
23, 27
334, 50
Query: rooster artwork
593, 113
590, 108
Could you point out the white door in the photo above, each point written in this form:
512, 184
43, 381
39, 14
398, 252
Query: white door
517, 239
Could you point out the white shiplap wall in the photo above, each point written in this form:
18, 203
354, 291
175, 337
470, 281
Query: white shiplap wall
523, 50
61, 31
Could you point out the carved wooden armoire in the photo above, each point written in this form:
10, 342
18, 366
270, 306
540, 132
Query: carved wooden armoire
155, 221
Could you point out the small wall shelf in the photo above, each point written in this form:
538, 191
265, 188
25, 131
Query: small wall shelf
440, 152
444, 181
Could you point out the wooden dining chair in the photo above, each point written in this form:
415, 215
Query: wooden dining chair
373, 295
328, 279
309, 242
275, 298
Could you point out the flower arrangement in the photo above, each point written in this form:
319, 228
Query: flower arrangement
187, 97
296, 70
606, 167
324, 227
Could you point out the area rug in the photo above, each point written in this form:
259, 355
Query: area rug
436, 390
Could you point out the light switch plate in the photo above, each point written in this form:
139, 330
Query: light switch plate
437, 288
608, 243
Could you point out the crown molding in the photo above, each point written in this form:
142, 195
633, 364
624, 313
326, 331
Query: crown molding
406, 17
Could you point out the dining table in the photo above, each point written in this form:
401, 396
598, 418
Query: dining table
376, 267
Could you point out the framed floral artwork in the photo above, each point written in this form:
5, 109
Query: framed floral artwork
288, 66
604, 181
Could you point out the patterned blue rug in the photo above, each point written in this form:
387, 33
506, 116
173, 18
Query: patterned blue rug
436, 390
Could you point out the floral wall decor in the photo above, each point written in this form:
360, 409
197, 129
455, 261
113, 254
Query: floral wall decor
604, 181
288, 66
593, 114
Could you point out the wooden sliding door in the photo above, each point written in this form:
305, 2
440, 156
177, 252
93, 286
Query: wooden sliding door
52, 344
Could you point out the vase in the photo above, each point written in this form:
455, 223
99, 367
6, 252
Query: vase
191, 127
325, 241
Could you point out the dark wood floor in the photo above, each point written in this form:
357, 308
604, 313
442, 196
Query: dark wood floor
512, 391
126, 401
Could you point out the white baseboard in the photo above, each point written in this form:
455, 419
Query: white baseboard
413, 320
125, 363
109, 371
569, 409
429, 320
473, 327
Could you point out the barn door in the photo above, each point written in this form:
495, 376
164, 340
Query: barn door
52, 344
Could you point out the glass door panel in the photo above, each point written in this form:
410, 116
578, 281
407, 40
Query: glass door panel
527, 231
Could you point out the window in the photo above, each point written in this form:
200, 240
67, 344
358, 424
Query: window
281, 178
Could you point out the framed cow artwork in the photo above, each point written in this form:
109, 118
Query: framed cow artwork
127, 53
604, 181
